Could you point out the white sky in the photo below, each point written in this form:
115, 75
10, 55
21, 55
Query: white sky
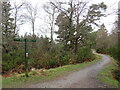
108, 21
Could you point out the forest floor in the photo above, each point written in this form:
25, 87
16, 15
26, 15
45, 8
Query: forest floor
83, 78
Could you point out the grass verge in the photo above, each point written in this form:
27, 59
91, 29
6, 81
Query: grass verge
106, 75
45, 75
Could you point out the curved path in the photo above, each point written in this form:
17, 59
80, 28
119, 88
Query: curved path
84, 78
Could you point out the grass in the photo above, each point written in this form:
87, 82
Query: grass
20, 80
106, 75
0, 82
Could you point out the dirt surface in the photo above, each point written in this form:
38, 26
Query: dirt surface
84, 78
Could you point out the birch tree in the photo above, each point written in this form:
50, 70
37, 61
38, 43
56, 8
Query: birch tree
30, 16
51, 11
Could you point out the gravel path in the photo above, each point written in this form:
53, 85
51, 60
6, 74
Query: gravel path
84, 78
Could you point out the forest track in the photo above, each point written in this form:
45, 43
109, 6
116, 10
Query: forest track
83, 78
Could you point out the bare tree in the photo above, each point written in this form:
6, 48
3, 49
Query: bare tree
17, 15
31, 15
50, 10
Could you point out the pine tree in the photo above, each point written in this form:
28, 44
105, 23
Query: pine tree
102, 38
7, 21
7, 26
73, 29
64, 32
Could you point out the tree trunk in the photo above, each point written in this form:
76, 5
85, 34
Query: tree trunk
76, 46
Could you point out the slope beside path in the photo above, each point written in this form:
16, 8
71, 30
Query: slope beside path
83, 78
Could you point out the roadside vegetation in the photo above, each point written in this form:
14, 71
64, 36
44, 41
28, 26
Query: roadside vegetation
108, 44
107, 75
72, 46
40, 75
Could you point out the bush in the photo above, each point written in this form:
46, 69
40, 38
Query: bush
65, 58
84, 53
12, 60
101, 50
44, 54
116, 74
113, 51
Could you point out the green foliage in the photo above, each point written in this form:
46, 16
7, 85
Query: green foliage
7, 21
108, 74
21, 80
66, 58
113, 51
8, 58
72, 34
44, 55
84, 53
116, 74
101, 50
12, 60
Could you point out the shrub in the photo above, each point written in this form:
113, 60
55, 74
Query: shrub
84, 53
12, 60
113, 51
101, 50
65, 58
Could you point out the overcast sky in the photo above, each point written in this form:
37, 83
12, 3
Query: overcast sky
108, 21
